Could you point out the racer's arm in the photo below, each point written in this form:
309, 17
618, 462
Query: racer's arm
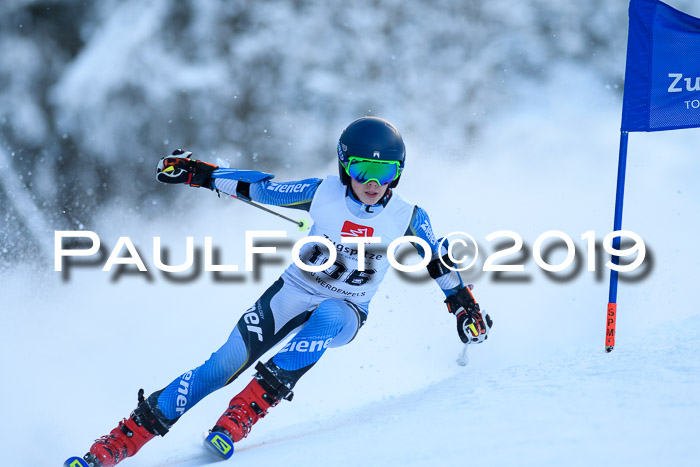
448, 280
252, 185
258, 187
472, 326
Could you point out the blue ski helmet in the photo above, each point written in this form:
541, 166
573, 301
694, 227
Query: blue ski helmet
370, 138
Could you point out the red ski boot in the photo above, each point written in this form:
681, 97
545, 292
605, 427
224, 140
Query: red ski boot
128, 437
252, 403
122, 442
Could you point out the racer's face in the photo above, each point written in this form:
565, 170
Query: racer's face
370, 192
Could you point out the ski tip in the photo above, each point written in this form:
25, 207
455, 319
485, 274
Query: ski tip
219, 443
75, 462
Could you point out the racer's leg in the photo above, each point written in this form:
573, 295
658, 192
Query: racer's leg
333, 324
281, 309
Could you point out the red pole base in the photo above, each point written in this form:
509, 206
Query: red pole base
610, 330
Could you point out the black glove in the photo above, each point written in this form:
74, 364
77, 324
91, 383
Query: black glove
472, 327
180, 168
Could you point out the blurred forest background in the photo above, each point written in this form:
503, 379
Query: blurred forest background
92, 93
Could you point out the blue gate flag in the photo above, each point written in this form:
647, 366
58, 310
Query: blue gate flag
662, 75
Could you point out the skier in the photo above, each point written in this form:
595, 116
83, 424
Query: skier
327, 308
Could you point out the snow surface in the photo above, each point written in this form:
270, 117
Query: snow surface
541, 391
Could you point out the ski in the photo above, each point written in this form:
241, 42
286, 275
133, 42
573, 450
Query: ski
75, 462
219, 443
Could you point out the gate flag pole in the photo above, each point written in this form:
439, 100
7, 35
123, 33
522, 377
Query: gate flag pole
662, 83
619, 197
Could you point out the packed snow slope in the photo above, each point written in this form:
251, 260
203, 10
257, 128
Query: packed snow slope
574, 409
540, 391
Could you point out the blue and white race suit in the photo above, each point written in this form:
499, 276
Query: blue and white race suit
327, 308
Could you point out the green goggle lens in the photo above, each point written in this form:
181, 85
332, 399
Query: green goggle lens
366, 170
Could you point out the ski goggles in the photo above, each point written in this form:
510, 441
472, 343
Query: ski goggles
365, 170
